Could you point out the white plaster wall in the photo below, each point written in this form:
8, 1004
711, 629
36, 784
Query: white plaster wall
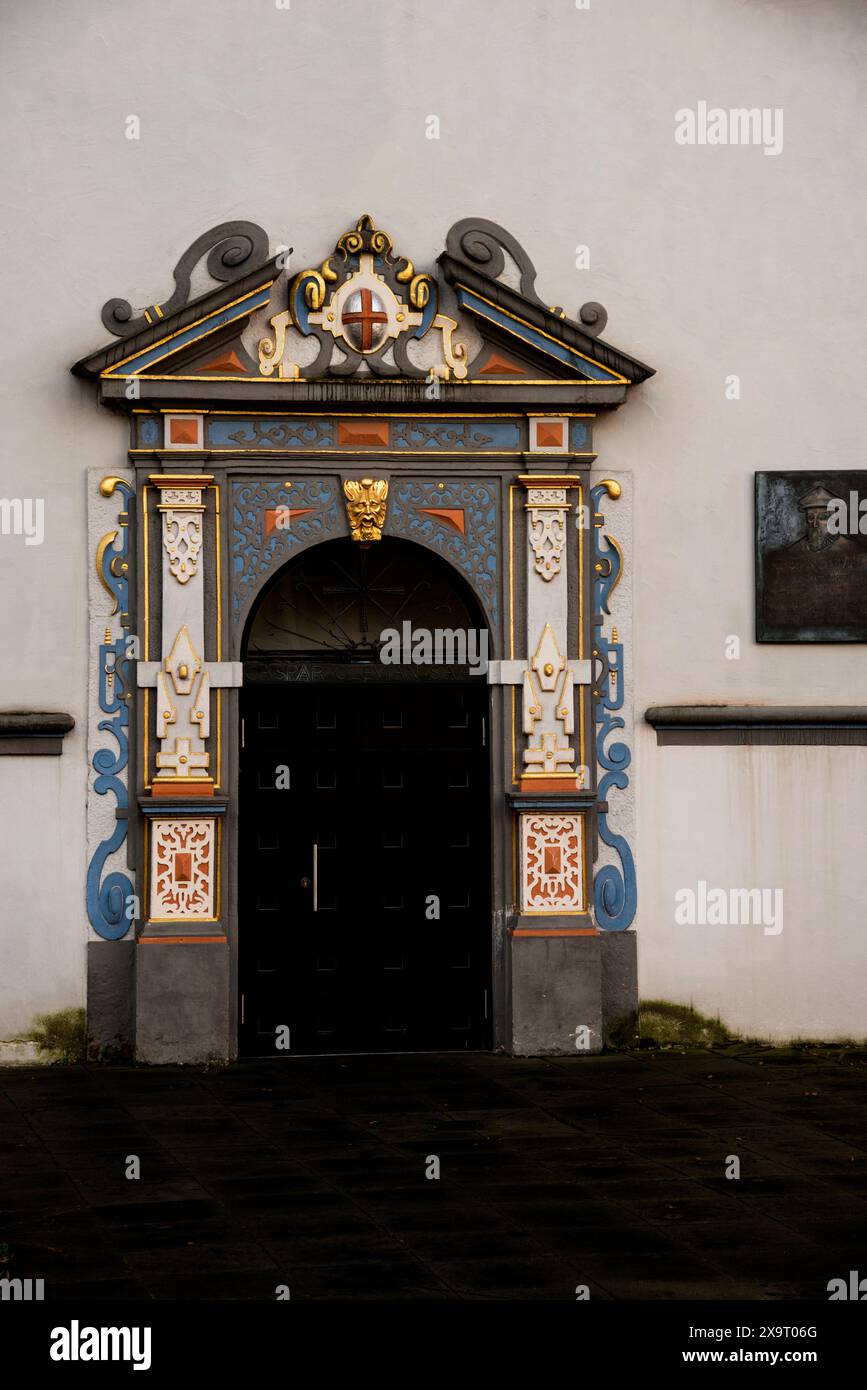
558, 123
42, 959
757, 818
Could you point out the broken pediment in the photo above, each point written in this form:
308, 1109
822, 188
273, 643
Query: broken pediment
364, 315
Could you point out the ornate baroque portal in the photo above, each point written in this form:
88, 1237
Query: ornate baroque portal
326, 469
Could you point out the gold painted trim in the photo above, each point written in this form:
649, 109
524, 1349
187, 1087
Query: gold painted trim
581, 735
400, 380
553, 479
181, 920
548, 776
512, 490
182, 781
146, 717
582, 693
100, 551
218, 894
110, 483
173, 480
215, 487
113, 370
216, 491
536, 912
613, 542
620, 380
376, 414
146, 710
365, 452
581, 586
144, 500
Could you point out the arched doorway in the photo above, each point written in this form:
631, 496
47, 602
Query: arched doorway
365, 842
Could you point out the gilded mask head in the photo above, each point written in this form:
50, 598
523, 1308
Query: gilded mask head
365, 507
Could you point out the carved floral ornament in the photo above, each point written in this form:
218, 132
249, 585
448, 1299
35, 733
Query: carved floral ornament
547, 508
546, 512
182, 538
182, 870
552, 856
362, 302
181, 507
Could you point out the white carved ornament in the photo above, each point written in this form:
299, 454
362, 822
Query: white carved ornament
546, 509
548, 702
182, 538
552, 878
182, 869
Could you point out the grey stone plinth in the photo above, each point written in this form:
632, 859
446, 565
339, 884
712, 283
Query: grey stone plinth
619, 986
110, 999
182, 1002
556, 989
562, 984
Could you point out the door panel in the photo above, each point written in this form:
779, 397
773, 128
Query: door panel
391, 785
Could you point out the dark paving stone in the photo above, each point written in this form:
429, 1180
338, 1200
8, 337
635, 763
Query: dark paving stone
195, 1256
394, 1277
157, 1210
171, 1236
451, 1245
335, 1223
36, 1256
253, 1284
607, 1171
99, 1290
512, 1279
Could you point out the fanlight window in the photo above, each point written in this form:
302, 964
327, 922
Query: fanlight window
337, 598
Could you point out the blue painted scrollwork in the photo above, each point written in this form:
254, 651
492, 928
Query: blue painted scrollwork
255, 552
615, 892
477, 551
107, 897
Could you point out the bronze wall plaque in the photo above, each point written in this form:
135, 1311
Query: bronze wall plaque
811, 557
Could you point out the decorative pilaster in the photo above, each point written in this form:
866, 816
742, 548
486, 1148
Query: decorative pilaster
548, 702
182, 814
110, 894
183, 679
615, 893
552, 819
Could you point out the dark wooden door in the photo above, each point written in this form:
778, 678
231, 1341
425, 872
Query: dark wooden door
365, 921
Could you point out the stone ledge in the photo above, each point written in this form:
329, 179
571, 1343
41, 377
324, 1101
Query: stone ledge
727, 725
33, 734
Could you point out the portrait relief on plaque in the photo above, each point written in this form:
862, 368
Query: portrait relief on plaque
811, 557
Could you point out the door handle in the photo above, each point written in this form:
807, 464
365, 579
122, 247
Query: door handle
315, 878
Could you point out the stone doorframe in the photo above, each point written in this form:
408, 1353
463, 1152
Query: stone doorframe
230, 476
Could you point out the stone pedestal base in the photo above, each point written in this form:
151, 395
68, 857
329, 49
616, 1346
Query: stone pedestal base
562, 985
110, 1000
182, 1002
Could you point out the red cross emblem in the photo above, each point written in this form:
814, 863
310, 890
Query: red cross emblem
363, 313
